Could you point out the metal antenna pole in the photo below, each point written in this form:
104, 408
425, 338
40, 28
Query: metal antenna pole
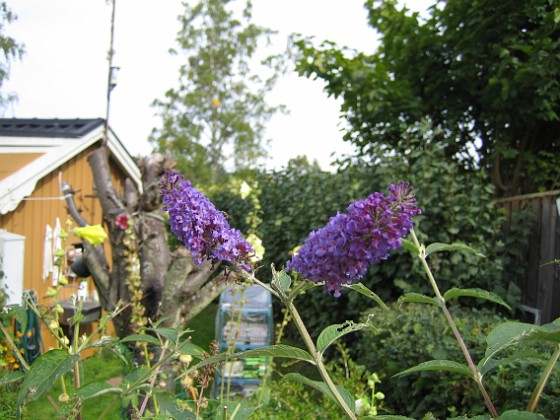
111, 75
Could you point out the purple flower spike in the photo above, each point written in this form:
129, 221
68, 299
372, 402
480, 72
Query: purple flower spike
342, 251
203, 229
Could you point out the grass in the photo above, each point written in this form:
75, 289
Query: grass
204, 326
102, 366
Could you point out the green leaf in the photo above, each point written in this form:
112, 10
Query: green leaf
169, 410
363, 290
284, 281
190, 348
439, 247
388, 417
520, 415
8, 377
96, 389
20, 314
416, 298
144, 338
322, 387
104, 341
333, 332
43, 372
510, 333
438, 365
278, 350
171, 334
476, 293
409, 246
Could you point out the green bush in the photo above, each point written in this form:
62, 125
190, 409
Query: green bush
458, 206
417, 333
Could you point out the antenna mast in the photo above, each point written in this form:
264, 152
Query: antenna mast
112, 74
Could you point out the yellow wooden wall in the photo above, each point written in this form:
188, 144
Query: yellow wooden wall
31, 216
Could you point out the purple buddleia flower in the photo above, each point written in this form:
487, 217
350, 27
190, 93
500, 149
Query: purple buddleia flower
203, 229
342, 251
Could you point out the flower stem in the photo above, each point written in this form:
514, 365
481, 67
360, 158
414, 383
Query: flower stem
441, 302
539, 388
317, 357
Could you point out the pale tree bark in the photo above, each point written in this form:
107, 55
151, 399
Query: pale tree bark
173, 287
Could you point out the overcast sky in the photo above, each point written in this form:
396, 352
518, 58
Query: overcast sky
63, 73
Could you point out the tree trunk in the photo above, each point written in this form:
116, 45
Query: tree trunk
171, 285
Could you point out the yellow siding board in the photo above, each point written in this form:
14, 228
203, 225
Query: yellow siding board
12, 162
31, 216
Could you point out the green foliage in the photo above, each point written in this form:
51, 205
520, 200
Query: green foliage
215, 119
414, 334
10, 50
458, 208
287, 399
465, 68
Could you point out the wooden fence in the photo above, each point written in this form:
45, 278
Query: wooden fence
540, 284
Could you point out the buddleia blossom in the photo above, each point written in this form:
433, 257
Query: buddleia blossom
203, 229
342, 251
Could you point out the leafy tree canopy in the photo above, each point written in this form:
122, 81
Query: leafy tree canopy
10, 50
214, 121
484, 74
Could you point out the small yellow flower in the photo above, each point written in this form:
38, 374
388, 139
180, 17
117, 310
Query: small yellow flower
95, 234
245, 190
216, 102
257, 245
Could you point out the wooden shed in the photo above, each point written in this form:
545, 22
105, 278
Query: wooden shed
36, 157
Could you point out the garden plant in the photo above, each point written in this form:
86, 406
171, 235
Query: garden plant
334, 257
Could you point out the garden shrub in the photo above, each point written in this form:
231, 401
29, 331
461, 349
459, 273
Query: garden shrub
416, 333
458, 206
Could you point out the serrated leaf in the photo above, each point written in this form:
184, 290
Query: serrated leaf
409, 246
438, 365
280, 279
439, 247
43, 372
333, 332
278, 350
136, 375
363, 290
8, 377
520, 415
476, 293
190, 348
143, 338
510, 333
322, 387
417, 298
96, 389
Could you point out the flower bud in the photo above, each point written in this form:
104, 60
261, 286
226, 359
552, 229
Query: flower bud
185, 358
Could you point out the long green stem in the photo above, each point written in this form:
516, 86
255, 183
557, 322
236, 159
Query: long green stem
300, 325
317, 358
441, 301
539, 388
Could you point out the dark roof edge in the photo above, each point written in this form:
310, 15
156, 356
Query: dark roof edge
48, 127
